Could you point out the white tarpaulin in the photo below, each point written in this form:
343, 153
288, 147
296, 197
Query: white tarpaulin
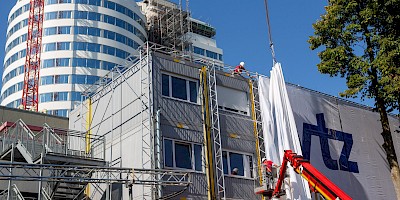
280, 129
341, 139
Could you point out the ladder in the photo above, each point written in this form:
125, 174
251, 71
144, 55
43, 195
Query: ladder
209, 83
257, 123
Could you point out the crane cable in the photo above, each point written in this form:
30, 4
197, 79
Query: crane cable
271, 44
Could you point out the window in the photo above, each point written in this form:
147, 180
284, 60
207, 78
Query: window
60, 96
120, 23
94, 16
46, 97
120, 54
80, 30
50, 47
179, 88
93, 47
108, 50
211, 54
61, 79
109, 34
80, 46
93, 63
79, 62
64, 14
80, 14
233, 100
244, 164
109, 19
50, 16
184, 155
62, 62
177, 85
198, 50
64, 30
95, 2
63, 45
50, 31
165, 85
61, 112
109, 4
108, 65
46, 80
48, 63
75, 96
94, 31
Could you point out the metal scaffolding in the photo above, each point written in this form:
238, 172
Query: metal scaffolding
168, 23
258, 130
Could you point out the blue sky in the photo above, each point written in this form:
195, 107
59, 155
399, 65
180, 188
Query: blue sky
242, 34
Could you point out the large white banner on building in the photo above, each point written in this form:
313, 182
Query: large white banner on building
280, 131
342, 140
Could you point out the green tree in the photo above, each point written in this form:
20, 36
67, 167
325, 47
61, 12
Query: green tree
359, 40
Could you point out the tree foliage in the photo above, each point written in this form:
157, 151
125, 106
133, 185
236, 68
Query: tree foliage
361, 42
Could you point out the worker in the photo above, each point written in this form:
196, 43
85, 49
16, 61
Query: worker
268, 165
239, 69
235, 171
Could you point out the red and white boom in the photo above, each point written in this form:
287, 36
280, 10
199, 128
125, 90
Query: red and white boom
317, 181
30, 93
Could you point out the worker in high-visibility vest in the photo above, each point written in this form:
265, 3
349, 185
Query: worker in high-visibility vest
268, 165
239, 69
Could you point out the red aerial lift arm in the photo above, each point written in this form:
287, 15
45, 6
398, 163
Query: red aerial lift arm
318, 182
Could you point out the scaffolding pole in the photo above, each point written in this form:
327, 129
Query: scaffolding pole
257, 127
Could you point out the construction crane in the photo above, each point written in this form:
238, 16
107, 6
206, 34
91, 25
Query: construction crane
316, 180
30, 92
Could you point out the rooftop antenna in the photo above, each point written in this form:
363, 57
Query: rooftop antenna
271, 44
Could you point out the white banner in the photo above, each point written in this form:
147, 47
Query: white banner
341, 139
280, 129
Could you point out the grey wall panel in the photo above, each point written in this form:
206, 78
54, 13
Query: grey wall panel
196, 190
239, 188
177, 112
236, 82
180, 67
237, 132
182, 134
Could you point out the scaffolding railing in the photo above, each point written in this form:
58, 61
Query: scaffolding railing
92, 174
11, 194
38, 141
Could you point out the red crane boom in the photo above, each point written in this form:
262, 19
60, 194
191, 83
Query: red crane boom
317, 181
30, 93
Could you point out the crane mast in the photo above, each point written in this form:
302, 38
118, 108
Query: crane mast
30, 93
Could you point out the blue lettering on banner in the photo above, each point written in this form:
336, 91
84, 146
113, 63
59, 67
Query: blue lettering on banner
325, 135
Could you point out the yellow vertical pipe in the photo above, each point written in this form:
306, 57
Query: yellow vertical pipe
207, 136
254, 118
88, 134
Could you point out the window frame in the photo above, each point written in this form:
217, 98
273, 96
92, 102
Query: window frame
247, 174
187, 84
192, 155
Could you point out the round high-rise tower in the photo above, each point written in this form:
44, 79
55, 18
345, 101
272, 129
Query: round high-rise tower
82, 41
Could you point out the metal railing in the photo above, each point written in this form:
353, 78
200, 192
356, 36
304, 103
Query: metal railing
13, 194
52, 140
